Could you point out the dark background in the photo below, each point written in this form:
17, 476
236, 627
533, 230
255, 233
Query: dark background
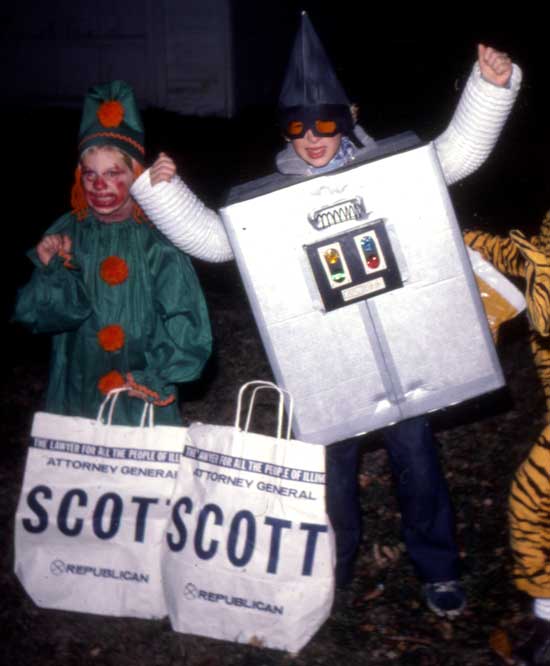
406, 72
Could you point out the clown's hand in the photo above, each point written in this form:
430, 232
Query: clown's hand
50, 246
162, 170
495, 66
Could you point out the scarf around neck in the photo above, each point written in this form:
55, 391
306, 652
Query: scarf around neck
289, 162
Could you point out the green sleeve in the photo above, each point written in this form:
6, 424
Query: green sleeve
182, 338
55, 299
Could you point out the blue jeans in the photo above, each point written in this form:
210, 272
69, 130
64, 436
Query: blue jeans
427, 517
343, 507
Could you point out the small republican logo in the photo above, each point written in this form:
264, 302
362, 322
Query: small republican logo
190, 592
57, 567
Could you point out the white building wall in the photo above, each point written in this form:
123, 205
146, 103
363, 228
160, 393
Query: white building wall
175, 53
198, 56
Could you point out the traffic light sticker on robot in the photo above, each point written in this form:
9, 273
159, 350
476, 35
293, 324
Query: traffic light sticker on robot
355, 265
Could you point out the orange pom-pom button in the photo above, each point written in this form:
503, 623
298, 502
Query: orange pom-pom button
113, 270
112, 380
111, 338
110, 114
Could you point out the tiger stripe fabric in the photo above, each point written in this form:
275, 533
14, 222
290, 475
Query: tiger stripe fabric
529, 517
529, 499
501, 252
537, 282
540, 348
519, 257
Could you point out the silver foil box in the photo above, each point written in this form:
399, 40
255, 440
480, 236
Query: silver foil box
389, 355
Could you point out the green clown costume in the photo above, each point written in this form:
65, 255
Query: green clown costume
125, 307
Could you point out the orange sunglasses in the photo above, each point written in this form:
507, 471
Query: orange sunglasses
296, 129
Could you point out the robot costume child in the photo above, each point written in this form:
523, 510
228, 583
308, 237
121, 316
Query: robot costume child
315, 109
124, 306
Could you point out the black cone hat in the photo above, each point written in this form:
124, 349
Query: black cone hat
311, 90
310, 79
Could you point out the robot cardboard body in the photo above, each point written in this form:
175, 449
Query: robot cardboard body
363, 293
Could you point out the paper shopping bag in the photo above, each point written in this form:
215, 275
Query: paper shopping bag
92, 513
249, 550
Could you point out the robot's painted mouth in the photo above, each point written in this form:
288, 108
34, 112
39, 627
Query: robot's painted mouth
342, 211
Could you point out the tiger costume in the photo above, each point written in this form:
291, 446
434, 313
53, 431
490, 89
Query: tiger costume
529, 500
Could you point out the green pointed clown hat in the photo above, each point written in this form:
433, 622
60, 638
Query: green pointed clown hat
111, 117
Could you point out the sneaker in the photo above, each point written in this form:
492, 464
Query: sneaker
445, 598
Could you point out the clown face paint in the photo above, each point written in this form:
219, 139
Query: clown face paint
106, 181
317, 150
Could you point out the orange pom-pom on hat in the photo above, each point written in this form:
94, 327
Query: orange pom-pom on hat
113, 270
111, 338
110, 117
112, 380
111, 113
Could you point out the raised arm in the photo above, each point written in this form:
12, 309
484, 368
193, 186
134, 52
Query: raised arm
55, 300
481, 113
179, 214
500, 251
